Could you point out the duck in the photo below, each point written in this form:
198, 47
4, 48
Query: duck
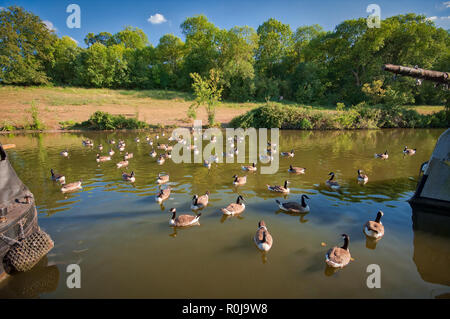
57, 177
128, 156
239, 180
295, 207
71, 186
296, 170
207, 164
339, 257
384, 155
111, 152
200, 202
375, 229
102, 158
279, 189
100, 147
362, 178
263, 239
153, 153
331, 183
162, 178
163, 195
122, 164
65, 153
160, 160
288, 154
234, 208
128, 177
250, 168
183, 220
409, 151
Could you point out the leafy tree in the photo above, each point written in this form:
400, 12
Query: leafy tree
103, 38
65, 53
26, 47
169, 54
207, 92
132, 38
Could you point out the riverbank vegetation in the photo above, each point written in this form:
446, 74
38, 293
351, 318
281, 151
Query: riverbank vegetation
338, 71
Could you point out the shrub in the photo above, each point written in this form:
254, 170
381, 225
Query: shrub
105, 121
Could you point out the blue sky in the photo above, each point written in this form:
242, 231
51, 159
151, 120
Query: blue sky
113, 15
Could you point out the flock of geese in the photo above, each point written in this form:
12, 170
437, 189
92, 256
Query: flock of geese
336, 257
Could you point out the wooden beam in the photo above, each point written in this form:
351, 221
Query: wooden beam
8, 146
435, 76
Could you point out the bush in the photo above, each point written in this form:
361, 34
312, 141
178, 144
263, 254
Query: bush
105, 121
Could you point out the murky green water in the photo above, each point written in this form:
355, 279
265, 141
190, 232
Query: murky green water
121, 239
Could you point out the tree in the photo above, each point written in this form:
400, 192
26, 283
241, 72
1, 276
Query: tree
103, 38
132, 38
207, 92
169, 55
65, 53
26, 47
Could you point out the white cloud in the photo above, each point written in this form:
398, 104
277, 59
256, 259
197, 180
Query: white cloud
446, 4
156, 19
432, 18
445, 18
49, 25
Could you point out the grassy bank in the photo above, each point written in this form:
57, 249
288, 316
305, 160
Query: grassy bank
54, 108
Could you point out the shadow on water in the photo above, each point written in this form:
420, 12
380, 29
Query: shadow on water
432, 245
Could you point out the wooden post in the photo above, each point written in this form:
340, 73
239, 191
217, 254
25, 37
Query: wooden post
435, 76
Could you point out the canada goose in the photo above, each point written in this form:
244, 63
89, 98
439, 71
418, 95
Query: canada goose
65, 153
296, 170
162, 179
150, 142
409, 151
167, 155
122, 143
250, 167
71, 187
295, 207
214, 158
239, 180
87, 143
157, 137
161, 146
57, 177
153, 153
362, 178
236, 151
339, 257
266, 158
213, 139
112, 142
263, 239
128, 156
279, 189
137, 140
384, 155
183, 220
111, 152
122, 164
288, 154
147, 138
169, 147
234, 208
100, 147
128, 177
331, 183
200, 202
102, 158
121, 148
163, 195
160, 160
207, 164
375, 229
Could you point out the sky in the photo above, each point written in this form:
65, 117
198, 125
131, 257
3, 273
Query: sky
157, 18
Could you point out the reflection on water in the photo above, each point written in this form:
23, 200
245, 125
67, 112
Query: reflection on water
122, 241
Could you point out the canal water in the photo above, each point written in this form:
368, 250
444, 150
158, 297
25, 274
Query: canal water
121, 238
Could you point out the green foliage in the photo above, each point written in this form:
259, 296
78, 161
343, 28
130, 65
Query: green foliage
208, 93
36, 123
360, 116
26, 47
340, 106
105, 121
